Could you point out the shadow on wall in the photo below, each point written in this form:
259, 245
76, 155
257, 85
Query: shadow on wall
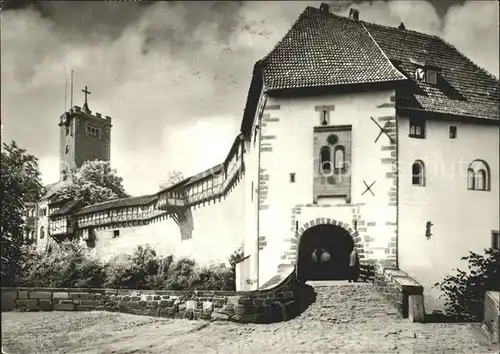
183, 217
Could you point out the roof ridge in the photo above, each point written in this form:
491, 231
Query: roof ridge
468, 59
435, 37
385, 55
396, 28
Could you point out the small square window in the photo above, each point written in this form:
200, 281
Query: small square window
453, 132
292, 177
116, 233
431, 77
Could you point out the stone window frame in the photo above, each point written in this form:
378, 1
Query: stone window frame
478, 171
417, 128
419, 179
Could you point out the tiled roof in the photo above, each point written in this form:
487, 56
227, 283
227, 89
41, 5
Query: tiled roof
118, 203
462, 88
66, 208
52, 188
323, 49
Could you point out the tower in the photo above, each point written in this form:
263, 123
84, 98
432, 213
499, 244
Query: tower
84, 136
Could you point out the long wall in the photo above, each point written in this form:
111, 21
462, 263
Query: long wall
211, 232
287, 146
462, 219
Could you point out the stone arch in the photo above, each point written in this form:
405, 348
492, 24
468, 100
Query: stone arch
301, 245
292, 255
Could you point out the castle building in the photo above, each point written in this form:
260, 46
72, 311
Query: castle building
354, 136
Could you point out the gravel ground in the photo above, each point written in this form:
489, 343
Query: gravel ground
344, 319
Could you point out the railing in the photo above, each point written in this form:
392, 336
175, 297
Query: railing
144, 215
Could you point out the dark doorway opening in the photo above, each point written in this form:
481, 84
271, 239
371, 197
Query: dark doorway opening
324, 253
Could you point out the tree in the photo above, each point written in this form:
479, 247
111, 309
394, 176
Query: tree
20, 183
94, 182
173, 178
464, 290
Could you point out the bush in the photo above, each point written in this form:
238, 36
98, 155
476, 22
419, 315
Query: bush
464, 291
133, 271
64, 265
70, 265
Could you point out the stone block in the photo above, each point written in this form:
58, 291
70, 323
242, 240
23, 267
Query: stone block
85, 307
188, 315
29, 304
40, 295
22, 294
416, 311
60, 295
45, 304
233, 300
168, 312
207, 306
218, 316
191, 305
166, 303
9, 295
8, 305
64, 307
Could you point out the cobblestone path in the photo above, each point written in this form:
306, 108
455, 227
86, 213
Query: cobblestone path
346, 318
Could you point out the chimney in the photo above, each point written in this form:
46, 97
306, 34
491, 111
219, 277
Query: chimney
402, 26
324, 8
354, 14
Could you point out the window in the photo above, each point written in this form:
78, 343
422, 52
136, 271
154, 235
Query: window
116, 233
42, 232
339, 156
93, 131
418, 173
470, 179
67, 130
419, 74
478, 176
256, 131
66, 149
453, 132
325, 160
417, 128
324, 117
495, 240
292, 177
431, 77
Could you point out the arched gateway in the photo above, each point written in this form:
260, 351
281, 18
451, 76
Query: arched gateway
328, 239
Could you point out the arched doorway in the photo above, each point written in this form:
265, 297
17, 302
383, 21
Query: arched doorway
332, 239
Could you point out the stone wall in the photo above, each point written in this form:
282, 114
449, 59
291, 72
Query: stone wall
247, 307
396, 286
491, 319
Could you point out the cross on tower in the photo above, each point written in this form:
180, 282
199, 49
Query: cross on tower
86, 92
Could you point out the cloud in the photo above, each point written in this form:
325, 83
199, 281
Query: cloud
172, 75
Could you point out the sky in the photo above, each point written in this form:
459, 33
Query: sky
174, 75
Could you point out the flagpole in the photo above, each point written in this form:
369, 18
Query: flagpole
71, 89
65, 93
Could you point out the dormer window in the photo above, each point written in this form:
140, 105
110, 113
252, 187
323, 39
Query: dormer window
431, 77
420, 74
